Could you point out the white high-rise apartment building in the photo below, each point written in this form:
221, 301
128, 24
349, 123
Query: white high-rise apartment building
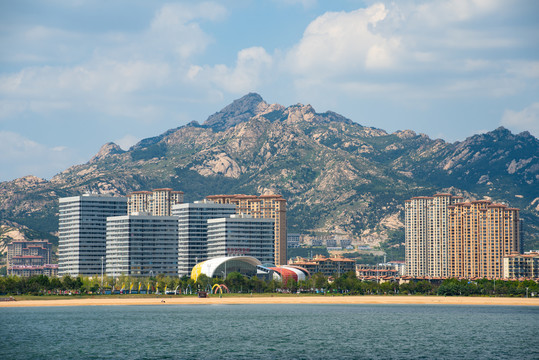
427, 234
140, 244
266, 207
192, 230
240, 235
82, 232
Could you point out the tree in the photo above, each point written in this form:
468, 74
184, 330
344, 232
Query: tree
68, 283
320, 281
235, 281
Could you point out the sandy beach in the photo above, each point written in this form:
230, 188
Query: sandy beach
246, 300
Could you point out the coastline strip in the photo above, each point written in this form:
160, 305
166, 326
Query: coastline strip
246, 300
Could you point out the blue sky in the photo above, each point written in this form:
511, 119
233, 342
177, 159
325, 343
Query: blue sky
75, 74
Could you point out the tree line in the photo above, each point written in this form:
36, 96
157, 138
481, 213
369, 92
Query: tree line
237, 283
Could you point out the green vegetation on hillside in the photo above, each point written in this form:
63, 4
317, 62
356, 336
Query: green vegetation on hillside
337, 176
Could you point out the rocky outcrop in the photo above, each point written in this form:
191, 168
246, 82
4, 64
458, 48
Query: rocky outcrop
239, 111
107, 150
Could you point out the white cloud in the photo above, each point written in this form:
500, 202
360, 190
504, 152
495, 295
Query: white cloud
121, 67
525, 120
22, 156
173, 28
341, 42
102, 84
253, 65
417, 50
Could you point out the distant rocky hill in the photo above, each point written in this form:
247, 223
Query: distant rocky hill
337, 175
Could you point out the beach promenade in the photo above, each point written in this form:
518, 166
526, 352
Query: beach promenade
246, 300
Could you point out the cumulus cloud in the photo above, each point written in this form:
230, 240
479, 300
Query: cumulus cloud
252, 66
22, 156
121, 67
340, 42
434, 49
525, 120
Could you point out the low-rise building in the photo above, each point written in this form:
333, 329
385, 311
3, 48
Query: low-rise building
328, 266
293, 240
28, 258
517, 266
364, 271
49, 270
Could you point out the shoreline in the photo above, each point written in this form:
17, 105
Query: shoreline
246, 300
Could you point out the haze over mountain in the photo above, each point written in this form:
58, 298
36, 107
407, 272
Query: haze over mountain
337, 175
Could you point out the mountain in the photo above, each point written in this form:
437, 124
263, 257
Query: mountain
337, 175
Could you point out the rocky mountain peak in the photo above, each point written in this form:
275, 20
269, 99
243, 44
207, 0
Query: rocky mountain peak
239, 111
405, 134
107, 150
337, 175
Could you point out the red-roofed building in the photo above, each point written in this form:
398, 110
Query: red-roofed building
327, 266
33, 255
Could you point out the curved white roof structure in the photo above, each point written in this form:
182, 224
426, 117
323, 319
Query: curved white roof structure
221, 266
284, 272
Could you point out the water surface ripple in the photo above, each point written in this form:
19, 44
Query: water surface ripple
270, 332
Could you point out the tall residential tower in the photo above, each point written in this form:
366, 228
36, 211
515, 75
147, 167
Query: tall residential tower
481, 234
265, 207
241, 235
82, 232
426, 234
193, 231
140, 244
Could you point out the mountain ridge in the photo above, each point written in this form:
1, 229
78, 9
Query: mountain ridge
337, 175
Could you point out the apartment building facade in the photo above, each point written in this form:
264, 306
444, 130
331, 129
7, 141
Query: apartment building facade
82, 232
193, 230
157, 202
241, 235
266, 207
140, 244
516, 266
427, 234
329, 266
28, 258
481, 234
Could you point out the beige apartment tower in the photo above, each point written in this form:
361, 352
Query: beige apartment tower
265, 207
157, 202
427, 233
481, 234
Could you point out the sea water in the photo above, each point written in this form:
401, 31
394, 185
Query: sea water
270, 332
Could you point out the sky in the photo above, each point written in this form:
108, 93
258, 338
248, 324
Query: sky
76, 74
